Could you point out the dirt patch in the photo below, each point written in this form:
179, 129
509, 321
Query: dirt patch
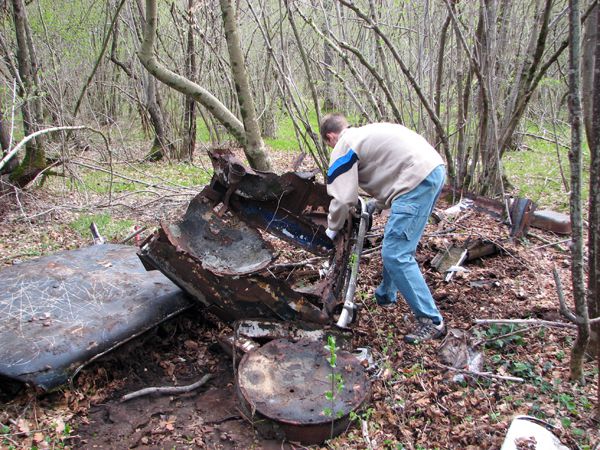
178, 353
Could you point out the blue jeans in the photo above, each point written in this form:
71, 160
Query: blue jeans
404, 228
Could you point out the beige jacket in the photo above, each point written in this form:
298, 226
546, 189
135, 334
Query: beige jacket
384, 159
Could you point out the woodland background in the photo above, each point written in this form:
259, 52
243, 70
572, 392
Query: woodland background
505, 90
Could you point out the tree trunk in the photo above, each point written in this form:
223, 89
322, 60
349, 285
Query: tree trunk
594, 201
210, 102
35, 159
590, 37
5, 143
161, 146
189, 112
575, 158
255, 147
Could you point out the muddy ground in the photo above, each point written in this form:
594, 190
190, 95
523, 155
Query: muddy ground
416, 403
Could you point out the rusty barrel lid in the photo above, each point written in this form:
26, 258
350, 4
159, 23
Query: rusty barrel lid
284, 385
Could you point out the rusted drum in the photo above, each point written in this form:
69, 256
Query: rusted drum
282, 387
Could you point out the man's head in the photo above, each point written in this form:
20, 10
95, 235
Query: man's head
331, 126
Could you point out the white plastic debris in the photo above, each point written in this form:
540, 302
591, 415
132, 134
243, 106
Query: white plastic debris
461, 206
530, 432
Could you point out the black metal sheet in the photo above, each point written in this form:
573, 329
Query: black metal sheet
60, 311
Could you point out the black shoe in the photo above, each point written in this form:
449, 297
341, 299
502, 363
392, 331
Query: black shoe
424, 331
384, 301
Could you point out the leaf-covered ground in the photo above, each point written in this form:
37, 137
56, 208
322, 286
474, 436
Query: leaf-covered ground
416, 402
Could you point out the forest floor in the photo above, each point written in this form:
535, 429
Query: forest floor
416, 402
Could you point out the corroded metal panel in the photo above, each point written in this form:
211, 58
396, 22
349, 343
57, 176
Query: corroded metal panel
61, 311
283, 386
217, 254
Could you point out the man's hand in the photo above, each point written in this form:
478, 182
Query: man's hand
372, 207
331, 234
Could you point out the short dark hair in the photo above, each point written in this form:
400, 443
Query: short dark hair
332, 123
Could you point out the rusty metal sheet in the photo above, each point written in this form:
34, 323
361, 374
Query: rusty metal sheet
61, 311
552, 221
292, 206
223, 246
229, 297
264, 329
283, 386
521, 213
217, 254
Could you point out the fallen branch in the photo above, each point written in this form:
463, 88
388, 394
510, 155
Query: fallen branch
482, 374
546, 323
26, 139
547, 243
167, 389
134, 234
564, 309
504, 336
364, 426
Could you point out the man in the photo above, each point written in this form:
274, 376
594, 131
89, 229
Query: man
401, 171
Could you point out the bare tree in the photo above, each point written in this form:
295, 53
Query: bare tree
594, 200
189, 107
255, 147
256, 157
31, 110
575, 158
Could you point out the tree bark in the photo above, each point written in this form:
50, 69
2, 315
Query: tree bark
189, 107
5, 142
255, 147
575, 159
35, 159
594, 202
590, 37
161, 146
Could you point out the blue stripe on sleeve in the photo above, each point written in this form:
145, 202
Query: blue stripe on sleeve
341, 165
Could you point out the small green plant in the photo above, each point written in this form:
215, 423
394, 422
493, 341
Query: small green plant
502, 336
336, 380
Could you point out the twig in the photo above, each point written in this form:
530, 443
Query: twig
482, 374
504, 336
167, 389
124, 177
364, 426
134, 234
564, 310
548, 243
546, 323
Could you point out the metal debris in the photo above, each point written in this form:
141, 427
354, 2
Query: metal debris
282, 389
59, 312
217, 255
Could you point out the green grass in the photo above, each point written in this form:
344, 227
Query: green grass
536, 172
111, 229
179, 174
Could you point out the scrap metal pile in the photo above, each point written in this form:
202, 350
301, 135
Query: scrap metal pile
217, 254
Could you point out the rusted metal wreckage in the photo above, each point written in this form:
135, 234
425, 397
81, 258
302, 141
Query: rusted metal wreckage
217, 254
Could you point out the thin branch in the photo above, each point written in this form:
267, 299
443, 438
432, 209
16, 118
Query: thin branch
481, 374
564, 310
167, 389
100, 57
546, 323
26, 139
